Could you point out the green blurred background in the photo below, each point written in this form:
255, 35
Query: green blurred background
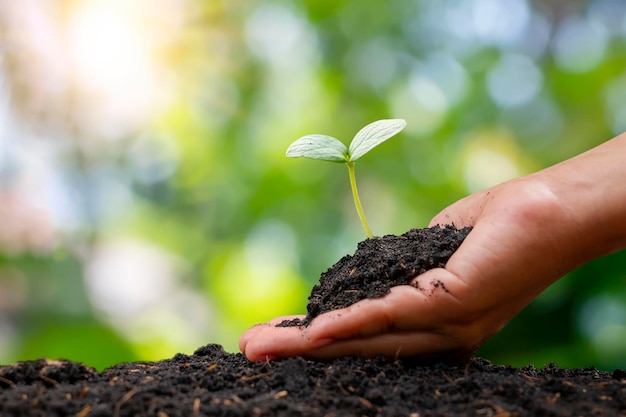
147, 207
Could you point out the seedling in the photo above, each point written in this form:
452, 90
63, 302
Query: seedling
330, 149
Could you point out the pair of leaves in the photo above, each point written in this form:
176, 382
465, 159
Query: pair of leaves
328, 148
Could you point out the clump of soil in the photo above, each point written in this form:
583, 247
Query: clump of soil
379, 264
212, 382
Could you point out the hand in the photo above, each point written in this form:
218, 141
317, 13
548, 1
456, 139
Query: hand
519, 245
527, 233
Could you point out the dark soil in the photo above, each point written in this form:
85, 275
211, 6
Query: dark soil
212, 382
379, 264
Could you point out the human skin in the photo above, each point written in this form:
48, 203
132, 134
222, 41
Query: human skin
527, 233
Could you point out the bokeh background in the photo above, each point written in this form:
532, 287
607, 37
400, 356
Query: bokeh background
147, 207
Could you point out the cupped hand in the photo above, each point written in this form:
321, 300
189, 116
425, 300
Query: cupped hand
517, 247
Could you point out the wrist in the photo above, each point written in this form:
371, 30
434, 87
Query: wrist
591, 189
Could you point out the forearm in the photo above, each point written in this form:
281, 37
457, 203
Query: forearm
592, 189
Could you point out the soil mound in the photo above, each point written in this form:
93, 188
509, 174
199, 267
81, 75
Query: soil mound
212, 382
379, 264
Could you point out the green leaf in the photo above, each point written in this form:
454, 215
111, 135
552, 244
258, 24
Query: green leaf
373, 135
316, 146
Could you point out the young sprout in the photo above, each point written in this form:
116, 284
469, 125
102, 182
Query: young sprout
330, 149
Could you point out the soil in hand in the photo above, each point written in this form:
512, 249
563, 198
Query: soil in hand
379, 264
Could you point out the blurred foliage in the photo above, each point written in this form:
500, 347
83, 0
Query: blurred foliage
148, 207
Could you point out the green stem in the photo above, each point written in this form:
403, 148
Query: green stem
357, 201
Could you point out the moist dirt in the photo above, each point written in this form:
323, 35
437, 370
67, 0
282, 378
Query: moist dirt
212, 382
379, 264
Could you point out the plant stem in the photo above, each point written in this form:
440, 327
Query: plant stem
357, 201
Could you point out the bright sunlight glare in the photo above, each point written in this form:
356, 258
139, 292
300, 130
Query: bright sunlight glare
112, 57
106, 50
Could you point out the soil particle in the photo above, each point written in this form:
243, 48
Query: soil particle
379, 264
212, 382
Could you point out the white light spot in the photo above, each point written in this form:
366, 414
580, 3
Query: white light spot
611, 13
514, 81
580, 44
269, 249
490, 158
422, 104
615, 96
276, 34
603, 320
125, 277
447, 74
373, 62
486, 167
428, 94
500, 22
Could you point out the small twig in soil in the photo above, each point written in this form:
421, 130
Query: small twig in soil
553, 398
531, 378
342, 389
253, 377
447, 377
265, 397
466, 370
48, 379
365, 402
85, 411
397, 354
83, 392
492, 407
281, 394
6, 381
196, 406
126, 397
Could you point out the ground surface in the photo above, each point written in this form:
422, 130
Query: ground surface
212, 382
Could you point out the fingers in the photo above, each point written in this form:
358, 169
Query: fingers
267, 342
397, 311
432, 301
407, 321
260, 329
271, 343
393, 345
432, 316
